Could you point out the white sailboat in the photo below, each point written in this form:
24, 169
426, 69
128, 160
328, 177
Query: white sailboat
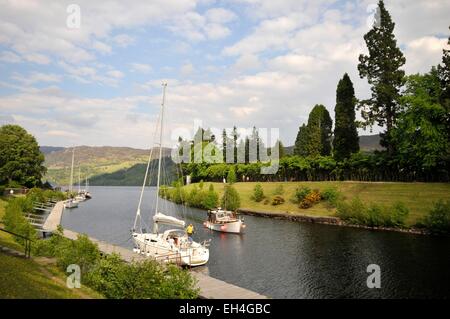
71, 203
80, 196
172, 245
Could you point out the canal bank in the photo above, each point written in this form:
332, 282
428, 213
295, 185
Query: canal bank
210, 288
295, 217
284, 259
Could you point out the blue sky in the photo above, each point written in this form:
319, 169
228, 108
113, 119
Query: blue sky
239, 62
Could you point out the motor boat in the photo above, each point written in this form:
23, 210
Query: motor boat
224, 221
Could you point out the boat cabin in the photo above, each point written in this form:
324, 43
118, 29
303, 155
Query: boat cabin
221, 216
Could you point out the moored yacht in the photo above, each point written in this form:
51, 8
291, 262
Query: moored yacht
224, 221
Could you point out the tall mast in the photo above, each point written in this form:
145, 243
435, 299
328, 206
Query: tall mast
160, 145
71, 171
79, 179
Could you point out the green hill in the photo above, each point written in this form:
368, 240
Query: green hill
93, 161
134, 176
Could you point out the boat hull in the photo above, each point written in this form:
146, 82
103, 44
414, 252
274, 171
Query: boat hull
236, 227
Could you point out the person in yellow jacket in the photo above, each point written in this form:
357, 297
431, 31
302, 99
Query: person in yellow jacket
190, 231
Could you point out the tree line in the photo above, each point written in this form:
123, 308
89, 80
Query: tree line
413, 109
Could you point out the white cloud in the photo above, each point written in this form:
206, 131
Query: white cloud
36, 77
187, 69
124, 40
140, 67
10, 57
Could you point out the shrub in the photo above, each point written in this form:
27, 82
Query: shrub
331, 195
301, 193
230, 199
15, 221
231, 177
277, 200
353, 212
210, 198
279, 190
438, 219
306, 203
2, 190
258, 193
310, 199
373, 215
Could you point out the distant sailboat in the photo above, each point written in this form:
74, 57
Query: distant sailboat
71, 203
172, 242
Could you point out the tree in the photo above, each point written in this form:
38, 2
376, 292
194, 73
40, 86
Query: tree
444, 76
318, 137
258, 193
224, 145
230, 198
346, 140
235, 137
301, 140
421, 135
20, 158
231, 177
382, 70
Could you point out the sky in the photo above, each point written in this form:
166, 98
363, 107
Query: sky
247, 63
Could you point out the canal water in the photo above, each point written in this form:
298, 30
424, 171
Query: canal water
283, 259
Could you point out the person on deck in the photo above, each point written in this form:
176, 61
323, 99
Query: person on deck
190, 231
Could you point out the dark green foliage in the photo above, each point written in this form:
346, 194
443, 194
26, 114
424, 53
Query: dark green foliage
230, 199
438, 220
114, 278
331, 195
372, 215
421, 135
301, 140
444, 76
231, 177
346, 139
15, 221
318, 137
258, 193
301, 193
382, 68
20, 157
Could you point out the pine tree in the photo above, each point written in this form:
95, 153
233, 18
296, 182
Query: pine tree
382, 70
224, 145
346, 140
318, 137
301, 140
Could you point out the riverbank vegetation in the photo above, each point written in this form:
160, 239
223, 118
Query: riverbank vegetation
114, 278
400, 205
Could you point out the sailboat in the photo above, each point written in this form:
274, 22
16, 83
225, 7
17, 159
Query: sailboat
71, 203
80, 196
172, 245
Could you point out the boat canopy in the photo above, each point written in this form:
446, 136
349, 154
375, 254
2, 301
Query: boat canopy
168, 220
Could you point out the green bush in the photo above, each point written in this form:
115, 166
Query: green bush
373, 215
300, 194
438, 219
258, 193
15, 221
2, 190
331, 195
210, 198
231, 177
114, 278
230, 199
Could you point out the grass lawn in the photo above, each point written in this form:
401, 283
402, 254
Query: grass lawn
418, 197
32, 278
26, 278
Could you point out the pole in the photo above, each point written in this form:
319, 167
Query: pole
160, 145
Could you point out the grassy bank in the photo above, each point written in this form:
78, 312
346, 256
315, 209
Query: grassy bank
27, 278
418, 197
